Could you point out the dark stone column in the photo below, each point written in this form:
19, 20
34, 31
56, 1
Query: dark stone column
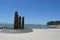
22, 22
19, 25
16, 20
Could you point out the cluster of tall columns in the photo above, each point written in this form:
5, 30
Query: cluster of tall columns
18, 21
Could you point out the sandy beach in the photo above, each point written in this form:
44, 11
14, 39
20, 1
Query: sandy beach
35, 34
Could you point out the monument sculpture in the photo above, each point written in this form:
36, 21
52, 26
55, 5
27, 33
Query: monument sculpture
19, 25
22, 22
18, 21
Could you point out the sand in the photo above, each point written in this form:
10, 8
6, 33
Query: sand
34, 34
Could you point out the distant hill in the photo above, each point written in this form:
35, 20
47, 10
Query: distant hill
53, 23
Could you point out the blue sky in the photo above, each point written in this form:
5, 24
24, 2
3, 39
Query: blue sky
34, 11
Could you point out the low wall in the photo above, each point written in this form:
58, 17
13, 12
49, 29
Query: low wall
58, 26
54, 26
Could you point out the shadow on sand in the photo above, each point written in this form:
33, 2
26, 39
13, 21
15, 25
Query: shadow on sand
16, 31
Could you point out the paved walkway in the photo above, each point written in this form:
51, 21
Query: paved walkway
36, 34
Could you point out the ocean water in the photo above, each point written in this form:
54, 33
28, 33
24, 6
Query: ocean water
26, 26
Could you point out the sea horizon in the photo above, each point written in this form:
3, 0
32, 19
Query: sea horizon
25, 25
